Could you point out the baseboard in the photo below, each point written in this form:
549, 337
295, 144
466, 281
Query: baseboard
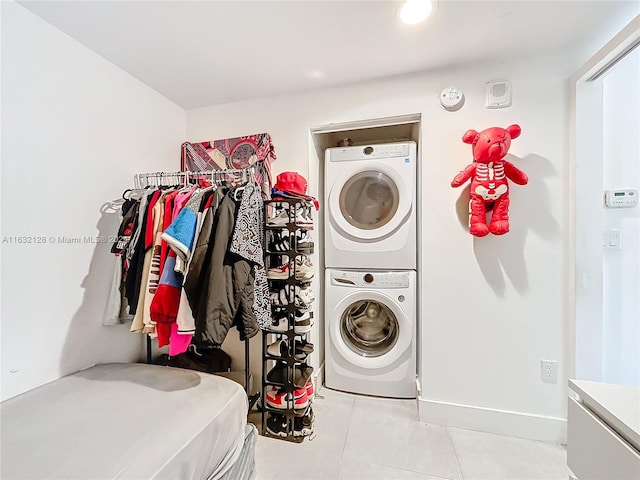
318, 377
500, 422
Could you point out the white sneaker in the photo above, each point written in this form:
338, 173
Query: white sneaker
305, 296
279, 273
303, 217
304, 269
279, 325
302, 296
280, 220
304, 242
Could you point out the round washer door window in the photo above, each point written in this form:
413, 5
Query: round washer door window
369, 328
369, 200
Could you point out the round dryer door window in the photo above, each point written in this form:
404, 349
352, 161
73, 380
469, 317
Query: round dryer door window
369, 328
369, 200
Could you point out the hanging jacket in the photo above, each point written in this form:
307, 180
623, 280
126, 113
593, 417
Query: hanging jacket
222, 295
247, 242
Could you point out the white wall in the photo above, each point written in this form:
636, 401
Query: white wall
621, 268
75, 129
492, 308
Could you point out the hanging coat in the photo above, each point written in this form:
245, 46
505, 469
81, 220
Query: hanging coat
219, 284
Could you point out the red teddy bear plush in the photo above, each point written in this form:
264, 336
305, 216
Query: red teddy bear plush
489, 173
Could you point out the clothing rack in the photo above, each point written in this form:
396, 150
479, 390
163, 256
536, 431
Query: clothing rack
142, 180
215, 177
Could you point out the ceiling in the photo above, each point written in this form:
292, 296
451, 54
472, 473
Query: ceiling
198, 53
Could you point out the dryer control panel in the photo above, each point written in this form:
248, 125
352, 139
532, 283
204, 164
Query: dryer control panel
370, 279
370, 152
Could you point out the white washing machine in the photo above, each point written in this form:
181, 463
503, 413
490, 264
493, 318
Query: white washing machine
370, 197
370, 332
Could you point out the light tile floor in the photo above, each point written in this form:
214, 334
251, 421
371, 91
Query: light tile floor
359, 437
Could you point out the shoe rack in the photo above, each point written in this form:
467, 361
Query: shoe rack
285, 347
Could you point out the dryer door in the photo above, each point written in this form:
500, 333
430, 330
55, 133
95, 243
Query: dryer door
371, 202
370, 330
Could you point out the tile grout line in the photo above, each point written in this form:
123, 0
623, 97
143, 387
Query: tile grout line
455, 452
398, 468
344, 445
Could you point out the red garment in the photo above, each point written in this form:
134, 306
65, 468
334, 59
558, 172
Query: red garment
163, 330
208, 203
148, 234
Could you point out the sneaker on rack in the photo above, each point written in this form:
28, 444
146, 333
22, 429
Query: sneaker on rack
280, 349
304, 242
279, 325
310, 391
303, 324
301, 296
277, 425
279, 297
304, 269
279, 243
280, 272
304, 347
278, 398
304, 296
303, 217
281, 219
303, 426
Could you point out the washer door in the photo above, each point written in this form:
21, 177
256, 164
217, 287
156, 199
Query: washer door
370, 330
371, 202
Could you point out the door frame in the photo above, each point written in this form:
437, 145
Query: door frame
586, 99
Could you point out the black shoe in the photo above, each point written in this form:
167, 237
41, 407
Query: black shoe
279, 243
280, 348
303, 426
277, 425
279, 374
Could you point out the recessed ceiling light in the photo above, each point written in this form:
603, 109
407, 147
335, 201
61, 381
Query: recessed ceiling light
415, 11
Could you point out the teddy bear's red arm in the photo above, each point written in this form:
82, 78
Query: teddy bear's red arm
515, 174
464, 175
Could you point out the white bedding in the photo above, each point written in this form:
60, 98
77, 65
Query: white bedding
129, 421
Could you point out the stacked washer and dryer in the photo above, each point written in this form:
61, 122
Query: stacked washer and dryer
370, 260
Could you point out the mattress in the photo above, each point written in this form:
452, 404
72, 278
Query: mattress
125, 421
245, 466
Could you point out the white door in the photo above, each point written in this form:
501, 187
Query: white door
371, 202
370, 330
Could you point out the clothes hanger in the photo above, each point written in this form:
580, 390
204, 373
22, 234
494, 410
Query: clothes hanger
245, 183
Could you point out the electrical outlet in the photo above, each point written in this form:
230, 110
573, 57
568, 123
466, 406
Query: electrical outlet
549, 371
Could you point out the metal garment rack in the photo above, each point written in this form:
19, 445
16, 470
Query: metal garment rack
215, 177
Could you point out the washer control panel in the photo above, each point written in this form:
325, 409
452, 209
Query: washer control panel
369, 152
372, 279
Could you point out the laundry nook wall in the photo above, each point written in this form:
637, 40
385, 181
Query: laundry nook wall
490, 308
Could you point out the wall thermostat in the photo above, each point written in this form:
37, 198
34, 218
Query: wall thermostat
621, 198
498, 94
451, 99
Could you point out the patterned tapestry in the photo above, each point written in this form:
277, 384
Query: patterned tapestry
239, 152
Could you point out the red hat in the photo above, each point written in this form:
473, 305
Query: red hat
291, 182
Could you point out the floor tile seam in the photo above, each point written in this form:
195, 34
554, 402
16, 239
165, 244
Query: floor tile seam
397, 468
346, 437
455, 452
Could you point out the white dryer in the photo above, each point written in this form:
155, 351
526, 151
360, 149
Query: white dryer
370, 199
370, 332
